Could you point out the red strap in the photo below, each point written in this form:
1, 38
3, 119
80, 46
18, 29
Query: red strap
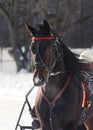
42, 38
59, 94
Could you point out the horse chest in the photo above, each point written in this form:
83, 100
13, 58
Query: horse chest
54, 111
60, 112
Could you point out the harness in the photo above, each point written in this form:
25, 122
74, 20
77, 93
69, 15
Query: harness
42, 38
56, 98
51, 73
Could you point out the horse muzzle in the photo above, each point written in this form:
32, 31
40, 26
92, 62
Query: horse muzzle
39, 77
38, 80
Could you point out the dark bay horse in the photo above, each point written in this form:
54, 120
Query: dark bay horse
59, 74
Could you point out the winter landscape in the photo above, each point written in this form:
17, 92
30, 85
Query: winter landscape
71, 21
13, 88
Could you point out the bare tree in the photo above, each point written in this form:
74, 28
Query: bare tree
10, 11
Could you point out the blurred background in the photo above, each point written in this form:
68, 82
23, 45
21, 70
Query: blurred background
72, 19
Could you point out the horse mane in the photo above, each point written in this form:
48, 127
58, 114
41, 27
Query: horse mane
77, 67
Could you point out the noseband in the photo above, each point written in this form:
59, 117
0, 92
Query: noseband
53, 60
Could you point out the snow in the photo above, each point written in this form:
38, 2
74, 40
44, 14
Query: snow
13, 88
87, 54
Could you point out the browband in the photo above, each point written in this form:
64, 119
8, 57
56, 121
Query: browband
42, 38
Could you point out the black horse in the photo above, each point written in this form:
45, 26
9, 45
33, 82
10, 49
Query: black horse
59, 74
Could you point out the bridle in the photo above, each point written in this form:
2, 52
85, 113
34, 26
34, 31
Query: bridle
55, 57
49, 69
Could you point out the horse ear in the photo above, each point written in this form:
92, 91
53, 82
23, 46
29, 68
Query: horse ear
46, 25
30, 29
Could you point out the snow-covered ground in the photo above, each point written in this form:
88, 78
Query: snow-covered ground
13, 88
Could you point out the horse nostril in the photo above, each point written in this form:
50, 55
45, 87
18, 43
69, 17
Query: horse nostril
39, 80
42, 79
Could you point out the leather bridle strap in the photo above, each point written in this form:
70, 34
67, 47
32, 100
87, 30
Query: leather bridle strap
42, 38
59, 94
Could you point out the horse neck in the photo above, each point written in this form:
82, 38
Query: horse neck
56, 82
60, 67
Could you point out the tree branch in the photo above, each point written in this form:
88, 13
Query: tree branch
6, 15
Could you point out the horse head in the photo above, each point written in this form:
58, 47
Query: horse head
46, 51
